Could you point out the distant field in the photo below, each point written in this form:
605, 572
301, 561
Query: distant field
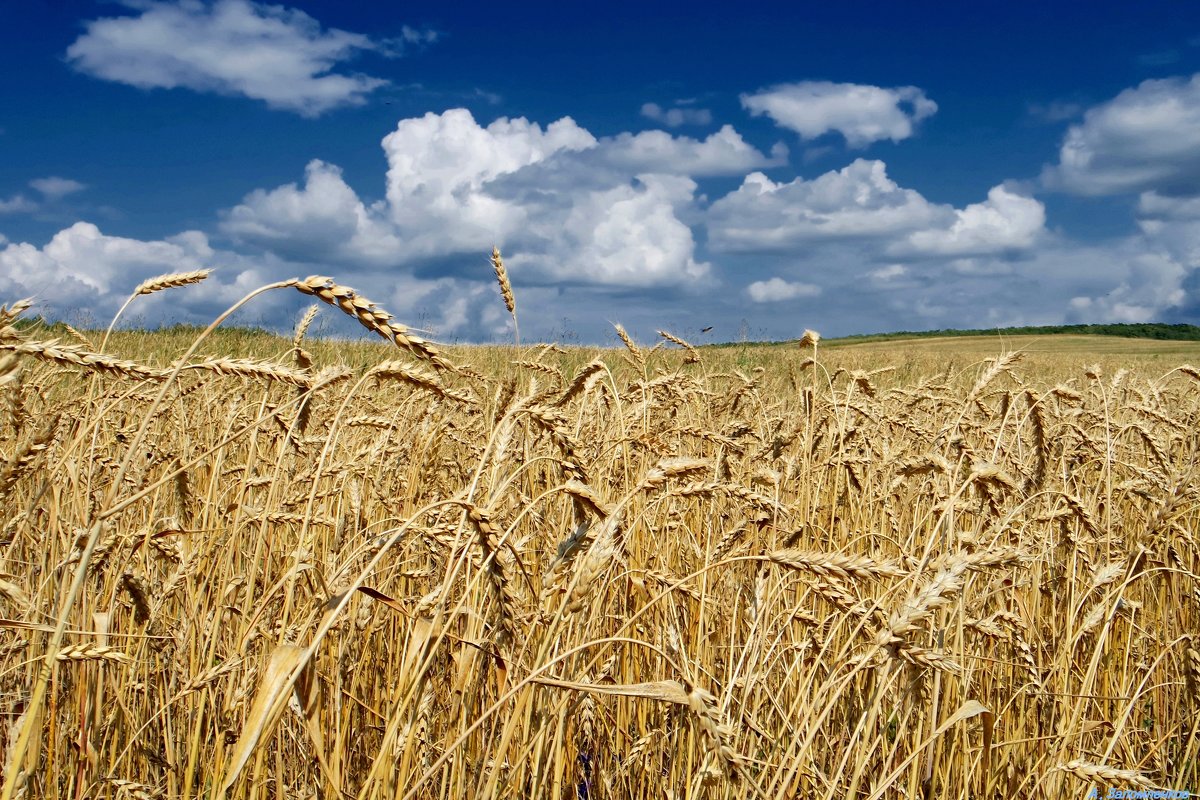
1052, 344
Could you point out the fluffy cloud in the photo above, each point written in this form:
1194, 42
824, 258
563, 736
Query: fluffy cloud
862, 114
855, 202
83, 271
271, 53
722, 153
1005, 221
439, 166
572, 208
677, 116
1172, 224
1146, 138
55, 188
860, 203
626, 236
323, 222
81, 265
777, 289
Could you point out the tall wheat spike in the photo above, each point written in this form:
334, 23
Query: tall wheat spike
510, 302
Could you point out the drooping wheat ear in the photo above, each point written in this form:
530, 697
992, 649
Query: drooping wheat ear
639, 358
836, 565
1082, 514
9, 314
718, 735
708, 489
946, 584
860, 379
1192, 672
606, 548
92, 652
1189, 371
135, 587
1106, 774
75, 355
79, 337
586, 495
734, 535
10, 372
328, 376
183, 490
1037, 416
15, 595
979, 560
398, 370
501, 581
989, 478
546, 369
554, 422
693, 357
370, 317
727, 442
171, 281
681, 467
583, 381
133, 789
247, 368
1064, 392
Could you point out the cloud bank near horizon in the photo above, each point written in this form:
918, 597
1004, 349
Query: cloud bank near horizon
653, 228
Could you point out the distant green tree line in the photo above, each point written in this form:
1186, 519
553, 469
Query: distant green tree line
1139, 330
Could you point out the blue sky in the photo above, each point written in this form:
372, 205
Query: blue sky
761, 168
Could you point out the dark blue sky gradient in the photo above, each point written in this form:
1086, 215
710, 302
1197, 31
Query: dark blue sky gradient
162, 160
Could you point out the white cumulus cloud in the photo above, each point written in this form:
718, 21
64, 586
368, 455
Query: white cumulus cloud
1146, 138
80, 264
857, 201
860, 204
777, 289
439, 166
628, 235
323, 221
81, 269
861, 113
272, 53
722, 153
569, 207
1005, 221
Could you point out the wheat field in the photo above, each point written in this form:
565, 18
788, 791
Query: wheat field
254, 567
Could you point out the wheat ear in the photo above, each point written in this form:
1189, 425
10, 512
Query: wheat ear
370, 316
506, 291
151, 285
1105, 773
